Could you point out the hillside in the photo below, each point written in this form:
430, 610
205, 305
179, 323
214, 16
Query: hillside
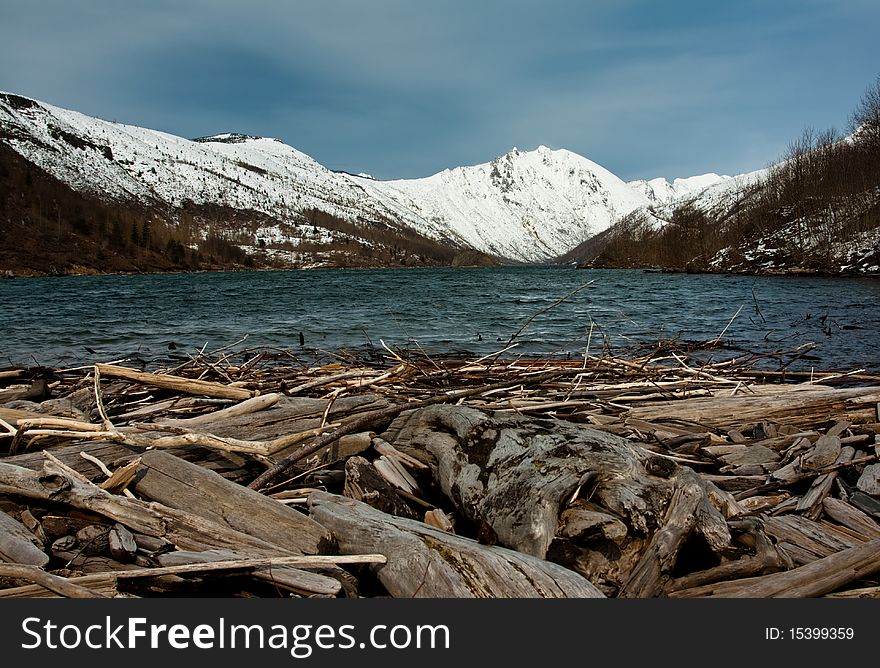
817, 210
82, 195
280, 207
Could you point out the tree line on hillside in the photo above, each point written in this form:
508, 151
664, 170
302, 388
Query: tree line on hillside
383, 242
49, 228
824, 190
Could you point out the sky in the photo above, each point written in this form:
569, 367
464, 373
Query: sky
404, 89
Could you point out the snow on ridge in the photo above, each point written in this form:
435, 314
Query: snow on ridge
525, 205
528, 206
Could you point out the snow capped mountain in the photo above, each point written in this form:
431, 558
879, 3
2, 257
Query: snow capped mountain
525, 205
125, 162
528, 206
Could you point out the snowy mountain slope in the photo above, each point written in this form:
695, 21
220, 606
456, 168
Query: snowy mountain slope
127, 162
710, 193
525, 205
528, 206
660, 191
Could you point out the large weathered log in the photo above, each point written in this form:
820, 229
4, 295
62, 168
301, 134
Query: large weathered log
851, 517
176, 383
801, 405
424, 562
112, 454
516, 474
179, 484
689, 511
56, 483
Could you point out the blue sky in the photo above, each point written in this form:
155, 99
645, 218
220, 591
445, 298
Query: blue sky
401, 88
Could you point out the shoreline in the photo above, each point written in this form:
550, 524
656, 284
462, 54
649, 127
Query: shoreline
248, 454
796, 272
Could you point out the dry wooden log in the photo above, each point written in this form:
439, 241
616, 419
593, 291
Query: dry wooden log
800, 405
824, 453
54, 583
395, 474
35, 391
286, 577
57, 483
583, 521
112, 454
364, 483
861, 592
839, 428
93, 539
853, 518
766, 559
246, 407
424, 562
91, 585
439, 520
742, 454
689, 512
179, 484
811, 502
813, 538
348, 446
122, 544
757, 503
18, 545
515, 473
814, 579
176, 383
290, 415
383, 447
869, 481
75, 560
33, 525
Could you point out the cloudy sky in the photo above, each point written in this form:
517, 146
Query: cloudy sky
402, 88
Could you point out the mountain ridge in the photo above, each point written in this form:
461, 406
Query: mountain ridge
523, 206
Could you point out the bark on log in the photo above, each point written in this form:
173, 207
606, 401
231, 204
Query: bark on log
517, 473
424, 562
179, 484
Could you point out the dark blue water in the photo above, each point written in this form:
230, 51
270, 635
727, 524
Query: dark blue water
54, 321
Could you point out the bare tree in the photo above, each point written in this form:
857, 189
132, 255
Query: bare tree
865, 119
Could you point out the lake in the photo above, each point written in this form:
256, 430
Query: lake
76, 320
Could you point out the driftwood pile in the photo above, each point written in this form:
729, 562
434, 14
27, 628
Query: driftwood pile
251, 473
